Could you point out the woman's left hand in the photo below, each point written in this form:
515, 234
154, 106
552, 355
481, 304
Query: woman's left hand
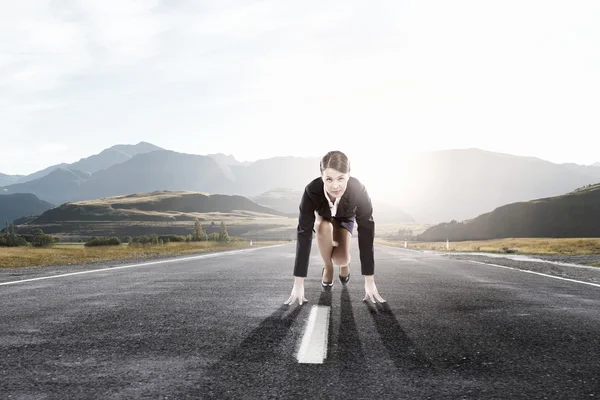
371, 290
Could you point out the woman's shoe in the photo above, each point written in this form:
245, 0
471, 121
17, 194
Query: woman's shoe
324, 284
344, 279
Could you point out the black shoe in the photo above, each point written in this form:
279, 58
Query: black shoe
345, 279
324, 284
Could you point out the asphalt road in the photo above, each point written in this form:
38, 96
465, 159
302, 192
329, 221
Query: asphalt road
216, 327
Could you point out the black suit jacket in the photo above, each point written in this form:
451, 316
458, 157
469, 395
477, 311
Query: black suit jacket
355, 202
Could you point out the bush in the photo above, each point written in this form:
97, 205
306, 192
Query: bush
12, 241
146, 240
214, 236
27, 236
172, 238
43, 240
103, 241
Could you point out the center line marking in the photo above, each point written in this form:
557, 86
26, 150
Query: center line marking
313, 348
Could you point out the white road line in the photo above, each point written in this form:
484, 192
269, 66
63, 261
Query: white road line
313, 348
537, 273
224, 253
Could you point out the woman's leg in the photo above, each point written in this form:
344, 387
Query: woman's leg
324, 234
341, 253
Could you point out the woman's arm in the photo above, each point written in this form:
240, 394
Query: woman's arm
306, 223
366, 230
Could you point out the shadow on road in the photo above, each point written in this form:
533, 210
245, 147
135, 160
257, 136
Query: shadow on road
349, 347
261, 344
401, 349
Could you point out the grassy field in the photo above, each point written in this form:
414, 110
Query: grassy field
77, 253
566, 246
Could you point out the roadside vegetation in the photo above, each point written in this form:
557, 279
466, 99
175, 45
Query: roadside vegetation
39, 249
563, 246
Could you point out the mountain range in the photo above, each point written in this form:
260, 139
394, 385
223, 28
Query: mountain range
430, 187
574, 214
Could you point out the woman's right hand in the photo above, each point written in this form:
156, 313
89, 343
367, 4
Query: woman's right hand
297, 292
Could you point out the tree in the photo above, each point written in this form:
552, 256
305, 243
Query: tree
223, 235
199, 232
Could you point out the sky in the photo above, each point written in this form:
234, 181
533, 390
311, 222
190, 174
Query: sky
260, 79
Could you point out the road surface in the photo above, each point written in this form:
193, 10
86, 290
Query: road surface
215, 326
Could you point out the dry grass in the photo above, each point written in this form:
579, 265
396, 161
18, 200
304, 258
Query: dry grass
568, 246
77, 253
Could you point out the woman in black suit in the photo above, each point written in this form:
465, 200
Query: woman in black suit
330, 206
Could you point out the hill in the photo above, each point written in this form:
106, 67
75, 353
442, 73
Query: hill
574, 214
161, 212
461, 184
155, 206
14, 206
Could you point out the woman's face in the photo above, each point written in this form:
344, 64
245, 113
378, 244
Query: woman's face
335, 182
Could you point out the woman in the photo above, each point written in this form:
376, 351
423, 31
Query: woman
330, 205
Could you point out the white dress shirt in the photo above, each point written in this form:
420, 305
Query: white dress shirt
332, 206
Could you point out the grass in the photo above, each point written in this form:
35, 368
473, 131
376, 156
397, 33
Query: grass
77, 253
566, 246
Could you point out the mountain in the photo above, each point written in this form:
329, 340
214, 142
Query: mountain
7, 179
227, 159
106, 158
13, 206
460, 184
157, 170
41, 173
225, 162
144, 172
596, 164
575, 214
277, 172
281, 199
114, 155
288, 201
429, 187
59, 184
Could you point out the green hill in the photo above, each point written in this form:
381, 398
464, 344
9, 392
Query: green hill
155, 206
161, 212
575, 214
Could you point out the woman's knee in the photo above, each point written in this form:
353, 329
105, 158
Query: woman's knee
324, 228
341, 257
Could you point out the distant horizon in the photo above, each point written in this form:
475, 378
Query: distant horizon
271, 156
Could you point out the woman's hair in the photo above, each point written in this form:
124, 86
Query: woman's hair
336, 160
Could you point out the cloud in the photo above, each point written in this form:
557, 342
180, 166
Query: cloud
444, 74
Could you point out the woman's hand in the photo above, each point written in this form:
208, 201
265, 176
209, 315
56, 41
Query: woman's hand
371, 290
297, 292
